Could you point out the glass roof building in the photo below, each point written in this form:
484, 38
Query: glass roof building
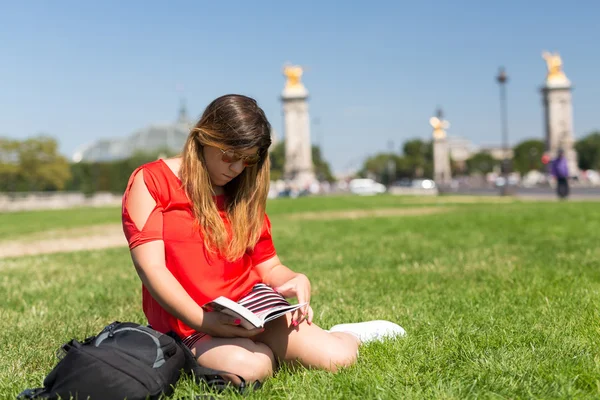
169, 138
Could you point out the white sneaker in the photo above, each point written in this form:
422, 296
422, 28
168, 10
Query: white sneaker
371, 331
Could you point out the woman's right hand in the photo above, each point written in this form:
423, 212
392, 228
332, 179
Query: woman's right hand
217, 324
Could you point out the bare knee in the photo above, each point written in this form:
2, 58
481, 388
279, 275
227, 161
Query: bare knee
253, 366
343, 357
251, 360
310, 346
343, 354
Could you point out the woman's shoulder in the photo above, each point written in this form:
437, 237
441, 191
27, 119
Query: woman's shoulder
165, 168
174, 164
157, 175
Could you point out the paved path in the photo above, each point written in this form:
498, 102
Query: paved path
96, 237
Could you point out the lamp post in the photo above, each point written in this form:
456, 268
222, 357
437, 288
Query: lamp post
502, 78
391, 164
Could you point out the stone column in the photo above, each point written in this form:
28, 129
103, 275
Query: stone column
558, 113
298, 150
442, 174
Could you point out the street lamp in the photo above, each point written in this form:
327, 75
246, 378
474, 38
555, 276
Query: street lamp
502, 78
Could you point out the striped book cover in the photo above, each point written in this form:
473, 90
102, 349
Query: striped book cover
261, 305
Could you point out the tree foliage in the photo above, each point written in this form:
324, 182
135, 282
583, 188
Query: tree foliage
481, 163
277, 157
322, 170
92, 177
527, 156
33, 164
588, 151
415, 162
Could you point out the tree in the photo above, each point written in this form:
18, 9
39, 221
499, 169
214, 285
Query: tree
419, 155
277, 157
387, 167
378, 165
482, 162
416, 162
322, 170
82, 178
9, 165
32, 165
92, 177
588, 151
41, 166
527, 156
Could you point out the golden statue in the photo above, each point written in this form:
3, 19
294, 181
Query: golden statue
293, 74
554, 65
439, 126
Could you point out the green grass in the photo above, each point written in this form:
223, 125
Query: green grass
29, 225
20, 224
499, 301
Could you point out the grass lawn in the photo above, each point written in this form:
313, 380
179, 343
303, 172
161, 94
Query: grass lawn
23, 225
499, 300
16, 225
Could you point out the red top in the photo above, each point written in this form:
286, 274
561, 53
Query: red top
203, 277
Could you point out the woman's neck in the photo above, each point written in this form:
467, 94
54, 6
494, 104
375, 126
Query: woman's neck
174, 163
218, 190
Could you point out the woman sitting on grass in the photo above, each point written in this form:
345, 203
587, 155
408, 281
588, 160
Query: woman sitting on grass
197, 230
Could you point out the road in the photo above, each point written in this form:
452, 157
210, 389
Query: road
579, 193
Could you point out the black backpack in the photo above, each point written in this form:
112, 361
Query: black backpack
125, 360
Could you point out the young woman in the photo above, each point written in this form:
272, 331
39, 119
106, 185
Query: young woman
197, 230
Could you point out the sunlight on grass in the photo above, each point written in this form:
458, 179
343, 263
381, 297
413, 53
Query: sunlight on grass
35, 224
17, 224
499, 301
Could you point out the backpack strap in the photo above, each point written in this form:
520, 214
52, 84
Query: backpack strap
37, 393
42, 392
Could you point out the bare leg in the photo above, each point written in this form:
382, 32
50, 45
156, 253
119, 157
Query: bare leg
251, 360
309, 345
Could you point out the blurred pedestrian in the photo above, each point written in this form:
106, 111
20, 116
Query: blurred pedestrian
560, 171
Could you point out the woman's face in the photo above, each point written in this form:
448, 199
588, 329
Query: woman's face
221, 172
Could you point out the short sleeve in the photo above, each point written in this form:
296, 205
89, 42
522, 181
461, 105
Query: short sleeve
264, 248
153, 228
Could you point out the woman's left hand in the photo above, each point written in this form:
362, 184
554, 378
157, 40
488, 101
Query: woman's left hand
298, 287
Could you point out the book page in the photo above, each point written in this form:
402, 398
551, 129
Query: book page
266, 303
248, 319
277, 312
261, 305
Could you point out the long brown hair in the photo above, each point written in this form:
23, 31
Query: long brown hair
236, 122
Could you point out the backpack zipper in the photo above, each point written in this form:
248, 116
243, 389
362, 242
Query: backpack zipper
160, 353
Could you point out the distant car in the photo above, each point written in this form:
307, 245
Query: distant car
404, 182
501, 181
293, 193
366, 186
423, 184
415, 183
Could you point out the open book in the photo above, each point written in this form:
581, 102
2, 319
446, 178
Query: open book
261, 305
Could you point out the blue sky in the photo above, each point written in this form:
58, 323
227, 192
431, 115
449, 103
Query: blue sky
377, 70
